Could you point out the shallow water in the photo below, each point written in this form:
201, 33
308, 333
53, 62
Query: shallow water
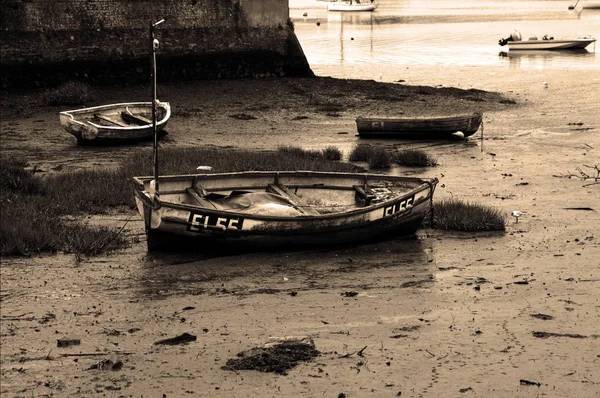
439, 42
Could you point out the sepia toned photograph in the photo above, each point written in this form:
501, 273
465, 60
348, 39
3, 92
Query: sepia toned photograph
300, 198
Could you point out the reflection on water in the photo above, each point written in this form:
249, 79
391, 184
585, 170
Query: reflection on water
403, 35
540, 59
401, 259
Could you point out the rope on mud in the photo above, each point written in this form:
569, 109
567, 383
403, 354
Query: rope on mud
481, 134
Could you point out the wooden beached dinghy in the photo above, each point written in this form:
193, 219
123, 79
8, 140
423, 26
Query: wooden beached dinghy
115, 123
445, 127
287, 208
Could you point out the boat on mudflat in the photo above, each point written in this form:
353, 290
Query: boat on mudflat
515, 42
439, 127
352, 5
260, 209
257, 209
115, 123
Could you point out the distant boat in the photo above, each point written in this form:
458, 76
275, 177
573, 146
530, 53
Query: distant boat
115, 123
591, 4
515, 42
351, 5
260, 209
444, 127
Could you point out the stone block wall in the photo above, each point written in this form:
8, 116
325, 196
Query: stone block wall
44, 42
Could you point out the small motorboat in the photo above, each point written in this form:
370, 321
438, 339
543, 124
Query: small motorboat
352, 5
115, 123
515, 42
440, 127
264, 209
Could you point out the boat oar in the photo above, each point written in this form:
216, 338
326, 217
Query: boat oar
572, 7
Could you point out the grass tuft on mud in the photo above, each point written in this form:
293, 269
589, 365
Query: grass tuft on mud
186, 160
332, 153
458, 215
34, 216
68, 93
414, 158
376, 156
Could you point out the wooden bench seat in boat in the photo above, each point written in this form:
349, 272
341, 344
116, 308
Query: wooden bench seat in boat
198, 195
294, 199
364, 195
110, 120
135, 119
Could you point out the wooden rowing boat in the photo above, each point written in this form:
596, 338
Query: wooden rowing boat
115, 123
259, 209
446, 127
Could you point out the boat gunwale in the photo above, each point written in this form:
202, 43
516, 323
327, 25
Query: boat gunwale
552, 44
73, 113
424, 184
420, 119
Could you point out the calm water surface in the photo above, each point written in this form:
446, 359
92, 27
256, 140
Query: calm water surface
441, 42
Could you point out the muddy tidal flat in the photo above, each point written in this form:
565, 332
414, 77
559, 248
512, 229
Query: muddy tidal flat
437, 315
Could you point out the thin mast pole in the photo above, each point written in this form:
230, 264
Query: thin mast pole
154, 44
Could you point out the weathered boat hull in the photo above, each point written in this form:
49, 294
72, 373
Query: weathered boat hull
550, 44
420, 128
115, 123
337, 214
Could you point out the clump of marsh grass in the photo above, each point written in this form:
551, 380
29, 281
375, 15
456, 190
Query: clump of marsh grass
186, 160
14, 179
23, 235
89, 191
377, 157
332, 153
414, 158
360, 153
457, 215
23, 107
33, 213
90, 240
69, 93
300, 152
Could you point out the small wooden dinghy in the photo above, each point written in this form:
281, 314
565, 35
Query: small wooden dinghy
446, 127
259, 209
115, 123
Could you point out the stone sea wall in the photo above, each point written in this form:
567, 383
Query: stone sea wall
45, 42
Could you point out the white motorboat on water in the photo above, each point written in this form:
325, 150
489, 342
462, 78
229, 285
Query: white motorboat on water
352, 5
516, 42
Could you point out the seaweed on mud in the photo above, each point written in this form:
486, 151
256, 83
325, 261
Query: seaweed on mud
277, 359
